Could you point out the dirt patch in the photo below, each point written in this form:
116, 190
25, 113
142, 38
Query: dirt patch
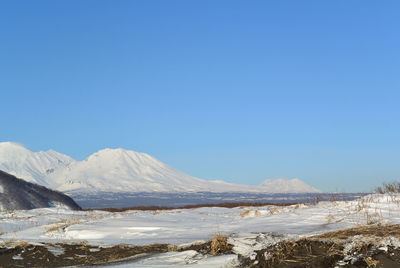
22, 254
218, 245
60, 254
290, 254
316, 254
349, 248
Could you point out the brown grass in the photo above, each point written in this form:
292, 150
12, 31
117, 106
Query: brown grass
62, 224
7, 242
389, 187
248, 212
77, 254
245, 213
224, 205
219, 245
325, 250
368, 230
371, 262
21, 244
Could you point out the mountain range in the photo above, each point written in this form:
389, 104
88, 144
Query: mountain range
120, 170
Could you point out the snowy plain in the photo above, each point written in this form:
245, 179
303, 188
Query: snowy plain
248, 228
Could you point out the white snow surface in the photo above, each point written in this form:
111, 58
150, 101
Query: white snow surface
248, 228
182, 226
119, 170
188, 259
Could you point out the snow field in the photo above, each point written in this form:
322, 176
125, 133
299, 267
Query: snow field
248, 228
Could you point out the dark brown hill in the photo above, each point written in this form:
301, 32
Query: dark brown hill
19, 194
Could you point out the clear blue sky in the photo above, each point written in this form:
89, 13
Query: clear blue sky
234, 90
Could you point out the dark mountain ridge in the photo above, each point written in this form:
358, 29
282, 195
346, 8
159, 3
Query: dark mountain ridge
16, 193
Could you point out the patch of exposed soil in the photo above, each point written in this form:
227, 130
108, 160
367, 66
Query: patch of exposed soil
23, 254
60, 254
332, 250
218, 245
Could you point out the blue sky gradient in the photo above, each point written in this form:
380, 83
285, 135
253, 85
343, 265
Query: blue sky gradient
235, 90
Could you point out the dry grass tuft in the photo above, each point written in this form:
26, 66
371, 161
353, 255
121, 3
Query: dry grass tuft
13, 243
7, 242
172, 248
371, 262
390, 187
274, 210
246, 213
20, 244
366, 231
219, 245
250, 212
62, 224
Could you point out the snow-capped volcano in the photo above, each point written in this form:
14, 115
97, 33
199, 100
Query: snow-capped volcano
116, 170
120, 170
288, 186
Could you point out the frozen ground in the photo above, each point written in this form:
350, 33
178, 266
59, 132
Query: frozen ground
248, 228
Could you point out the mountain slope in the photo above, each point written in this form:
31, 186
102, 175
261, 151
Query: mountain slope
19, 194
288, 186
32, 166
117, 170
120, 170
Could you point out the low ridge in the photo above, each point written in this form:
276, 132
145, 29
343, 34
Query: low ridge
19, 194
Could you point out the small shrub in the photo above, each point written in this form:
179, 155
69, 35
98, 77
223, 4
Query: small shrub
219, 245
391, 187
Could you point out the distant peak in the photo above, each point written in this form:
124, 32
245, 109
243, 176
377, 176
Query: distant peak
281, 180
288, 185
12, 146
274, 180
16, 147
113, 151
117, 152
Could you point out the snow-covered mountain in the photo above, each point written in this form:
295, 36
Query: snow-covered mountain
19, 194
120, 170
117, 170
287, 186
31, 166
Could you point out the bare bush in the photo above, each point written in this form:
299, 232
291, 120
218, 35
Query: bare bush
391, 187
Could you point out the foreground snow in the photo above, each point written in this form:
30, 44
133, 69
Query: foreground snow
249, 228
189, 258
